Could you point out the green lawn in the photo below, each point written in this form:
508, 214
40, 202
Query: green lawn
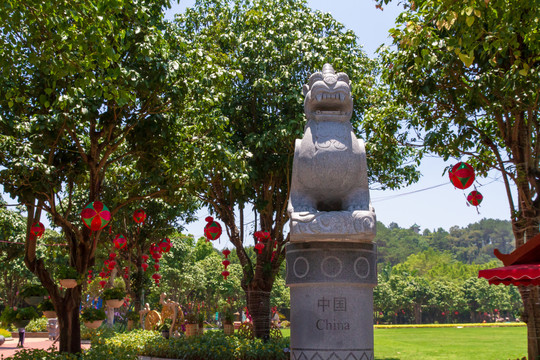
489, 343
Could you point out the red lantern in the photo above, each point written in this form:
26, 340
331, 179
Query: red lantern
226, 252
226, 263
95, 216
165, 245
126, 276
102, 283
156, 256
273, 255
102, 274
144, 266
139, 216
212, 230
156, 276
225, 274
112, 256
120, 241
475, 198
156, 266
259, 247
112, 264
262, 235
89, 281
145, 258
154, 249
37, 229
462, 175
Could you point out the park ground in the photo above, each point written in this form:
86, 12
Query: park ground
489, 343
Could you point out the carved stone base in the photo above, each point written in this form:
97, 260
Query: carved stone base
358, 226
352, 354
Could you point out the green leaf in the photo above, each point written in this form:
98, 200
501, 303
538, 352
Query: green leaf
467, 60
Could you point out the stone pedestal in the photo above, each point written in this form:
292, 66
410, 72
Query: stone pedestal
331, 260
331, 300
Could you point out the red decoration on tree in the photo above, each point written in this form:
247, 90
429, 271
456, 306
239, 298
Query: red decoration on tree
144, 257
126, 276
102, 283
156, 276
144, 266
119, 241
212, 230
95, 216
165, 245
462, 175
102, 274
226, 252
225, 274
156, 266
37, 229
139, 216
112, 256
475, 198
259, 247
226, 263
112, 264
262, 235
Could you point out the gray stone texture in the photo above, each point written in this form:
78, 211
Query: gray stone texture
331, 260
329, 188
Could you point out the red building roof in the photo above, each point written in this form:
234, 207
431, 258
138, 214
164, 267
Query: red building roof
522, 266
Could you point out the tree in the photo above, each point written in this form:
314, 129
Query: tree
468, 73
247, 113
84, 88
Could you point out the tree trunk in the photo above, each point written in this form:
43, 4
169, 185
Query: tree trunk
258, 304
531, 316
68, 321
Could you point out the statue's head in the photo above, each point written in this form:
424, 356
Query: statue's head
328, 96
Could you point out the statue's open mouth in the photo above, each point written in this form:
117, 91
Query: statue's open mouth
330, 96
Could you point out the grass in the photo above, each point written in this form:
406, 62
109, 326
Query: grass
479, 343
492, 343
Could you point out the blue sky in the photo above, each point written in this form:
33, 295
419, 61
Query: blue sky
433, 202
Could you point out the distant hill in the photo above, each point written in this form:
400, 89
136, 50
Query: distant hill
472, 244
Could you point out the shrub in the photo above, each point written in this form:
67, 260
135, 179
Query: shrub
285, 324
5, 333
67, 272
132, 315
46, 305
33, 290
27, 313
93, 314
37, 325
113, 294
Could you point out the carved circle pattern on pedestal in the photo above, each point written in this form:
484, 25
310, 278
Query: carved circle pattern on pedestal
331, 266
301, 267
361, 267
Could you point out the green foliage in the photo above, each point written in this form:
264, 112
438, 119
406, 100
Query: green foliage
115, 293
471, 244
67, 272
37, 325
92, 314
165, 325
33, 290
46, 305
133, 316
5, 333
467, 73
11, 315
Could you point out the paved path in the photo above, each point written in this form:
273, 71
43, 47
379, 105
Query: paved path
9, 348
